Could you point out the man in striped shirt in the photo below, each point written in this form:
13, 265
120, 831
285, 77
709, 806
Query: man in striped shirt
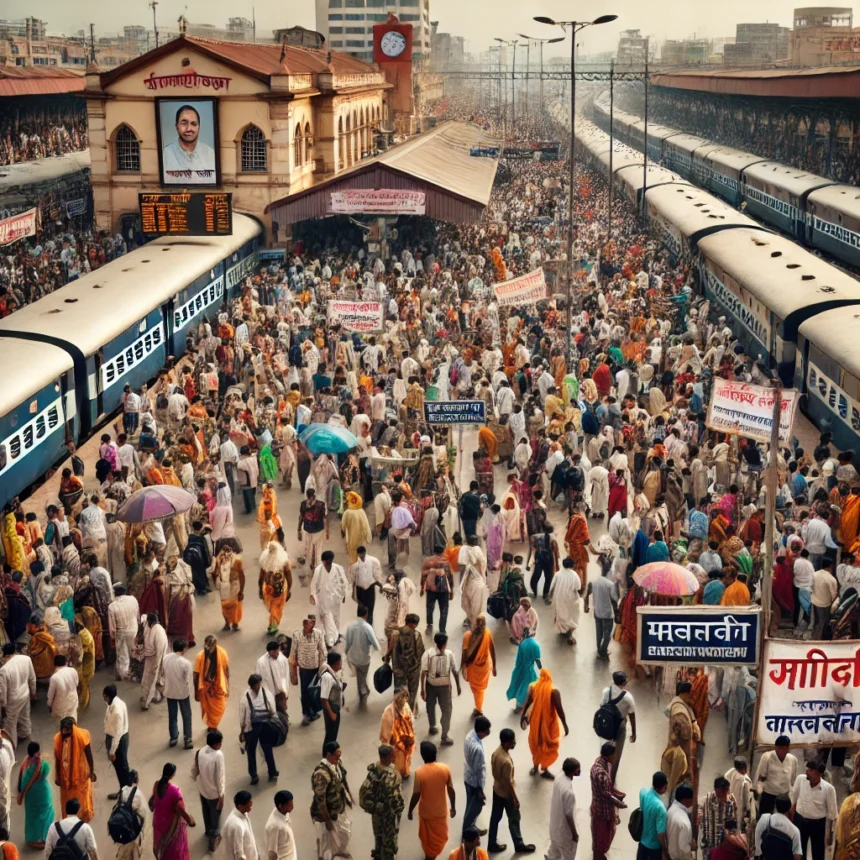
307, 657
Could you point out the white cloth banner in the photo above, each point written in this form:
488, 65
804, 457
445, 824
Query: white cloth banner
377, 201
365, 317
747, 410
808, 691
18, 226
524, 290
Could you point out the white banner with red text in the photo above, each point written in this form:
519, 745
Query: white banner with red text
19, 226
747, 410
377, 201
363, 317
524, 290
809, 692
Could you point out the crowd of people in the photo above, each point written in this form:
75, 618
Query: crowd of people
599, 427
33, 128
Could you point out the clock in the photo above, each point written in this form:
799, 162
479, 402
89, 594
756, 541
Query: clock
393, 44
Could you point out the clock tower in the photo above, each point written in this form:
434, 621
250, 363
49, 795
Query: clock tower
392, 50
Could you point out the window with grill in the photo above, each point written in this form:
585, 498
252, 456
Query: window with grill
298, 147
127, 148
254, 151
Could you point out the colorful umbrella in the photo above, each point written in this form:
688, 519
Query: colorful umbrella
155, 503
327, 439
665, 577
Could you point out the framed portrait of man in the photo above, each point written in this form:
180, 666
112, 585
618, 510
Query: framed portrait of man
188, 151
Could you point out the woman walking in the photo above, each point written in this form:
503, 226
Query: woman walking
170, 821
36, 796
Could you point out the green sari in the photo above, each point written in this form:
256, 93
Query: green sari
38, 799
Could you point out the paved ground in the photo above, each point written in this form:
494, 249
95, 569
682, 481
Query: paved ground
580, 677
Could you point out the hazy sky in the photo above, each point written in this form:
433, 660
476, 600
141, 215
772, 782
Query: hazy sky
478, 20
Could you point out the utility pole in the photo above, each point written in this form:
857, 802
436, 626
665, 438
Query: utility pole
92, 43
152, 5
770, 509
645, 142
528, 75
514, 89
611, 141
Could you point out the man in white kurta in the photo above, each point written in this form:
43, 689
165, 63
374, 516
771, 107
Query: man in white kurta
154, 652
17, 689
280, 841
123, 621
329, 587
63, 690
598, 490
562, 814
564, 592
473, 586
7, 762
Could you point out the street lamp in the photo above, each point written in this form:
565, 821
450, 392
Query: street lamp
574, 27
540, 42
509, 43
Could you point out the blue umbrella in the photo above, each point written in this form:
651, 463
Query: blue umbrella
327, 439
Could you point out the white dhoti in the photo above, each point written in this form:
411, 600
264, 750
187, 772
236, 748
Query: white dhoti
17, 722
562, 850
330, 619
335, 842
313, 547
152, 681
65, 706
473, 595
564, 592
124, 647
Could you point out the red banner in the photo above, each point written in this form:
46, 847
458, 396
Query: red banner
19, 226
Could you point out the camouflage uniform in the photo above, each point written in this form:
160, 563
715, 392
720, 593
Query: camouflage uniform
380, 795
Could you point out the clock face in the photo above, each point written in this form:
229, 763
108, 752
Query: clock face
393, 44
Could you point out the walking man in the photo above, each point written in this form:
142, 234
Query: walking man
17, 690
238, 833
72, 828
814, 809
505, 800
360, 641
405, 649
618, 694
328, 591
178, 679
605, 802
605, 593
63, 690
432, 793
123, 621
475, 772
380, 795
154, 651
307, 659
116, 736
563, 835
437, 670
210, 772
257, 705
274, 668
366, 577
313, 528
132, 850
331, 696
280, 841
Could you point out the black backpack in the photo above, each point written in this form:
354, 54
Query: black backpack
66, 848
776, 845
273, 727
636, 825
125, 824
608, 719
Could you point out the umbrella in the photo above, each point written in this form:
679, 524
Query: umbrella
155, 503
327, 439
665, 577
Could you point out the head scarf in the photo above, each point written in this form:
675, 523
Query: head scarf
353, 502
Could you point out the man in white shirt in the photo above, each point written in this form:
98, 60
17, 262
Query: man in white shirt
63, 690
130, 410
7, 762
825, 591
366, 577
818, 540
802, 577
813, 809
563, 835
280, 842
256, 706
123, 620
328, 591
116, 735
437, 670
178, 685
617, 692
17, 689
775, 775
154, 652
132, 850
779, 822
238, 833
83, 833
210, 773
126, 457
377, 404
679, 828
331, 696
274, 668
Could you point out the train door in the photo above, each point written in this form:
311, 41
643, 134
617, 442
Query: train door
167, 314
99, 359
798, 218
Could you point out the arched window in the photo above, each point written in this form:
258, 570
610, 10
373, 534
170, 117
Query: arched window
127, 151
308, 143
297, 146
253, 147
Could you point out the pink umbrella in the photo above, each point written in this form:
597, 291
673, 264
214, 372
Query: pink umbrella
665, 577
155, 503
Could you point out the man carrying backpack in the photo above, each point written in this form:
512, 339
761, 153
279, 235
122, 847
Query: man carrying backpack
406, 648
71, 838
617, 707
776, 837
128, 820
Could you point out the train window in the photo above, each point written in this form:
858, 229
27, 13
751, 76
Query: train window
851, 385
3, 458
34, 407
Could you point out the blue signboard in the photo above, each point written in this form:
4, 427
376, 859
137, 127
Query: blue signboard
278, 254
698, 635
444, 412
484, 151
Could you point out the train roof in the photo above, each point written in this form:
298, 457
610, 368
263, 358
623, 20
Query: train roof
779, 273
658, 132
843, 198
96, 308
42, 170
837, 333
631, 175
693, 210
737, 159
791, 179
29, 365
687, 142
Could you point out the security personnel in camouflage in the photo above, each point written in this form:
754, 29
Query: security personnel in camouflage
380, 796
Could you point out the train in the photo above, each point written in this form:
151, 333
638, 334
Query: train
796, 311
67, 357
814, 210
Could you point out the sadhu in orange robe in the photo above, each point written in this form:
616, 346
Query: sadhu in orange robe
577, 539
73, 771
849, 522
543, 723
478, 661
213, 687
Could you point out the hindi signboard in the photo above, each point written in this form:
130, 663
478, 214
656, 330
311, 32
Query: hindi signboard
445, 412
808, 692
524, 290
19, 226
186, 214
747, 410
363, 317
698, 635
377, 201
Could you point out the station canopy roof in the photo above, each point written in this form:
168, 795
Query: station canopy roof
456, 185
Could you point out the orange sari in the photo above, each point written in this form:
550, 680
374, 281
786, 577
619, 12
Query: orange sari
478, 665
849, 523
42, 650
487, 440
213, 692
699, 699
544, 732
576, 540
73, 771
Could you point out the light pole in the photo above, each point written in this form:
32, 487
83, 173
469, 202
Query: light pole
514, 88
574, 27
540, 42
611, 142
508, 43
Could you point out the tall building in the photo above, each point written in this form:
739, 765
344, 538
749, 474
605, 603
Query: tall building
757, 44
348, 24
686, 52
824, 36
632, 49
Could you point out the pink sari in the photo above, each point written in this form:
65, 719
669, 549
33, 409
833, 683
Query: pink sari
169, 830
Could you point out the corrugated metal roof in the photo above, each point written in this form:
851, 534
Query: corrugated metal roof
438, 160
763, 73
39, 81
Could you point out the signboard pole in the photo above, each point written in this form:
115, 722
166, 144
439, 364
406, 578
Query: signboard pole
770, 514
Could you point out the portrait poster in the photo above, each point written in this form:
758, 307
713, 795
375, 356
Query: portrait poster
188, 151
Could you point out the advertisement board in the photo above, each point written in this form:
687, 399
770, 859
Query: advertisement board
525, 290
747, 410
188, 151
363, 317
445, 412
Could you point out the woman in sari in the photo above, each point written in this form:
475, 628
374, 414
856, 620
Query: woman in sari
524, 674
479, 661
271, 527
848, 829
355, 526
396, 729
170, 821
180, 601
36, 795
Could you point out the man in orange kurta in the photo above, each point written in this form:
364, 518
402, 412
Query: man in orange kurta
849, 522
488, 441
736, 593
42, 649
74, 767
542, 712
212, 681
479, 661
431, 793
576, 541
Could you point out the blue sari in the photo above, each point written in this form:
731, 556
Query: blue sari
524, 672
38, 801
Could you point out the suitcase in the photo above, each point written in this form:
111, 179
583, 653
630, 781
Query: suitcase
383, 678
